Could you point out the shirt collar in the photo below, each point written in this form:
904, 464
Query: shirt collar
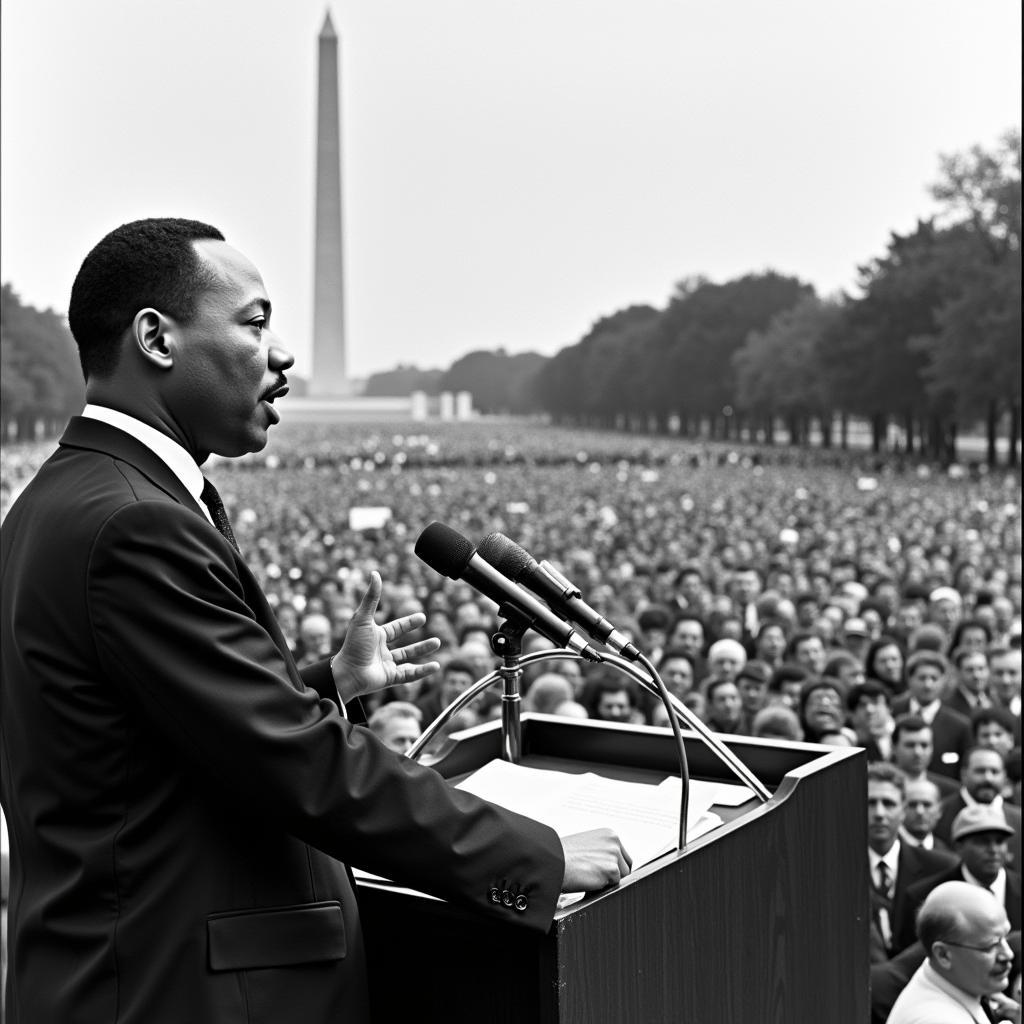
178, 461
892, 859
997, 888
926, 711
971, 1003
927, 843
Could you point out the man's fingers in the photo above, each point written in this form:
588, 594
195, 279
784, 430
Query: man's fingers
397, 627
410, 673
417, 650
368, 604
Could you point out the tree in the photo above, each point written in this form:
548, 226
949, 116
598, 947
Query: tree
779, 370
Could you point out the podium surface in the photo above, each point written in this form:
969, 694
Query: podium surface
762, 920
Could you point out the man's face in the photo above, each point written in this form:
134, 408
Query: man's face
456, 682
400, 734
1005, 676
677, 674
227, 364
747, 586
771, 641
909, 617
912, 752
885, 814
613, 706
753, 693
726, 704
824, 710
690, 589
925, 684
811, 653
725, 666
974, 672
888, 663
977, 958
983, 775
922, 809
983, 854
945, 613
871, 715
995, 737
688, 636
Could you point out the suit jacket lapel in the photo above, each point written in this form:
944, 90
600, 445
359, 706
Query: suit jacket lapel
95, 435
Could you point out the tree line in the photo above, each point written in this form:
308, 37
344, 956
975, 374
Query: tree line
928, 347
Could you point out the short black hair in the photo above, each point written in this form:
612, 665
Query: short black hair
140, 264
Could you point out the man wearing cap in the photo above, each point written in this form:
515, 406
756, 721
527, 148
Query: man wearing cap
982, 779
964, 931
980, 838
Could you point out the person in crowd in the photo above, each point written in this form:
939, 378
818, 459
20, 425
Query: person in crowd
786, 685
457, 676
923, 808
315, 639
610, 697
724, 705
752, 683
912, 752
980, 841
807, 649
547, 692
823, 709
945, 609
884, 663
1005, 680
183, 799
893, 866
927, 672
970, 635
688, 635
982, 779
770, 643
871, 719
398, 725
856, 637
964, 932
994, 727
725, 659
777, 721
970, 683
848, 669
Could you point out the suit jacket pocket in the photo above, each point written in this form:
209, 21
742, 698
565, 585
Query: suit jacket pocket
277, 937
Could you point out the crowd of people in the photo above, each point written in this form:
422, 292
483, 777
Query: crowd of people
829, 597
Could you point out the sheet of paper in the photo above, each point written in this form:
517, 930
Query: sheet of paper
646, 817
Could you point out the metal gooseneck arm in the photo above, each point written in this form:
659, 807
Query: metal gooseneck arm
683, 713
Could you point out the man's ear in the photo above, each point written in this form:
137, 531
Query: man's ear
153, 335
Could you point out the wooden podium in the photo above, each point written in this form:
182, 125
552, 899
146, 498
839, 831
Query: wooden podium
760, 921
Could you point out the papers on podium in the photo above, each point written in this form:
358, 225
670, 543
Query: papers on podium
645, 816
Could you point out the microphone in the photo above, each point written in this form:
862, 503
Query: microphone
552, 587
446, 551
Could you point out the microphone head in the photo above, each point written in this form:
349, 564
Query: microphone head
505, 555
445, 550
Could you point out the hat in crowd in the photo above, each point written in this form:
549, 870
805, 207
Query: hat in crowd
979, 818
945, 594
856, 627
756, 670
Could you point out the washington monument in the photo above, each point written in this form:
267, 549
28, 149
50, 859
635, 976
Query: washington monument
329, 378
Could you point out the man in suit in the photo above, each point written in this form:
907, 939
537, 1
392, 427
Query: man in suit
893, 865
982, 779
965, 934
980, 838
970, 693
180, 798
951, 732
912, 752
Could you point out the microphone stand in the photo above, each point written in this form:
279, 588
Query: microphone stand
681, 711
507, 643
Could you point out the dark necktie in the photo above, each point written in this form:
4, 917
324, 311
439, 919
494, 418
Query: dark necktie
883, 880
211, 499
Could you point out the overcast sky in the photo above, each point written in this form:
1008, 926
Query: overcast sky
514, 169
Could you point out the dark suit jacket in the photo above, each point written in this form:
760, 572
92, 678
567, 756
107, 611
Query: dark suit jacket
953, 804
179, 797
914, 865
951, 736
957, 702
917, 893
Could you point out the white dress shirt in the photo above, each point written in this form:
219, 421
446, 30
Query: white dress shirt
929, 999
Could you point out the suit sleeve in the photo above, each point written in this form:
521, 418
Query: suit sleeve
175, 634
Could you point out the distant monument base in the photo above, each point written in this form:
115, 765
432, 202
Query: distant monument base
418, 407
